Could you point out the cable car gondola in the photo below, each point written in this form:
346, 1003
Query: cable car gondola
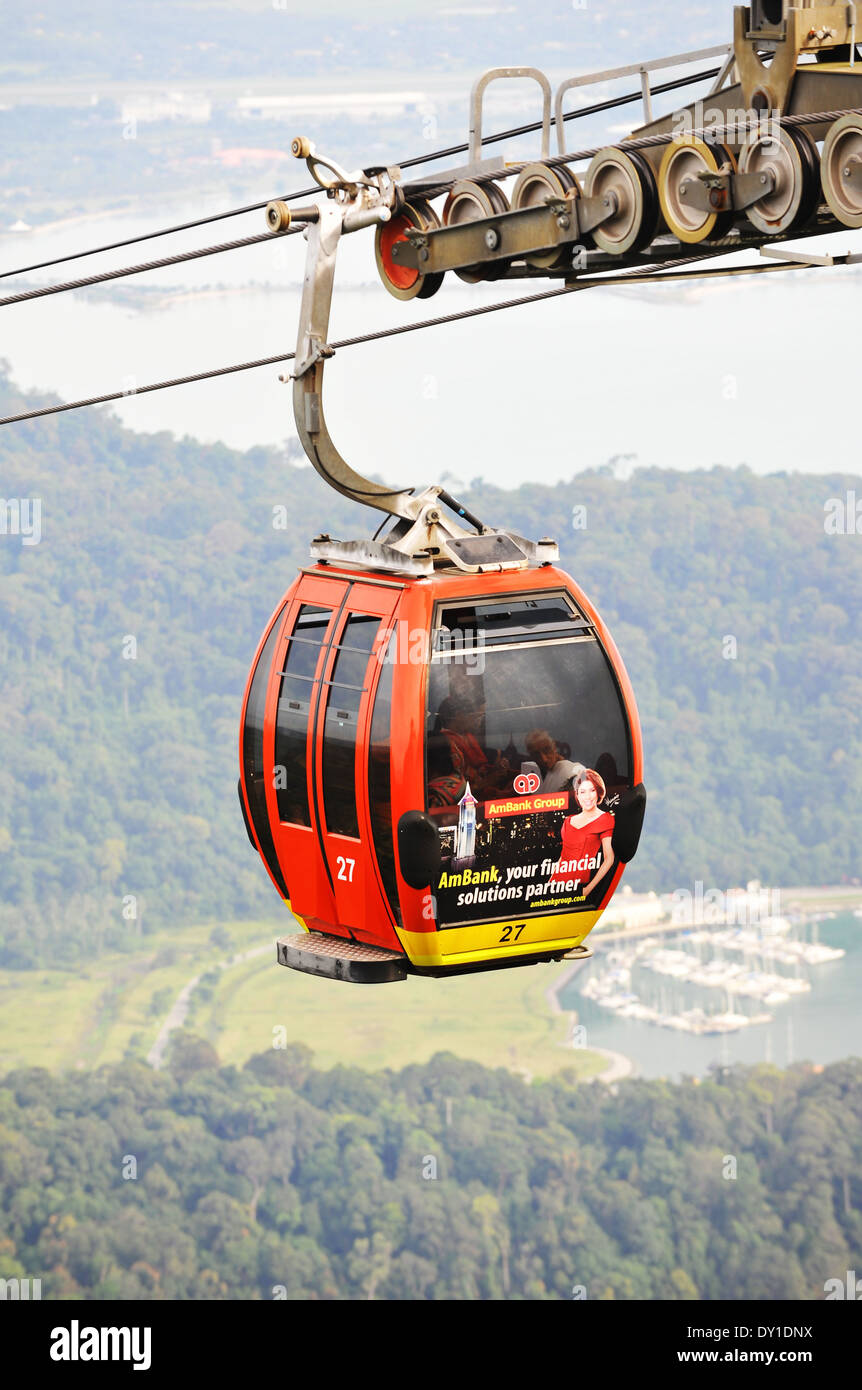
440, 752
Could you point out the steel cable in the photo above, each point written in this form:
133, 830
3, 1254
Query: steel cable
412, 163
42, 290
671, 271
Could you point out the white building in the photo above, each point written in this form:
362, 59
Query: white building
628, 909
173, 106
357, 106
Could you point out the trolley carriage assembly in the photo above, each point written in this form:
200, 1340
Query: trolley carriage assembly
792, 78
413, 694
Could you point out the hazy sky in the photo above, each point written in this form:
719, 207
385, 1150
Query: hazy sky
681, 376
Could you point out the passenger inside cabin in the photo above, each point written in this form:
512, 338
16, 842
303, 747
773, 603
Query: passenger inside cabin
446, 786
459, 721
606, 767
558, 773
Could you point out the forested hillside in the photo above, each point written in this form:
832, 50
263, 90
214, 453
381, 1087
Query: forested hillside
127, 631
444, 1181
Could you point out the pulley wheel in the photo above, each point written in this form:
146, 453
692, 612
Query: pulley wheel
793, 159
628, 178
683, 161
405, 281
470, 202
842, 156
535, 184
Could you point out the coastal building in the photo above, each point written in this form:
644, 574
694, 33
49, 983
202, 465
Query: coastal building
628, 909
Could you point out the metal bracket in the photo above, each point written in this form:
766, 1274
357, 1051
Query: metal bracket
504, 236
318, 351
319, 166
721, 192
803, 28
370, 555
708, 192
781, 253
747, 189
726, 191
592, 212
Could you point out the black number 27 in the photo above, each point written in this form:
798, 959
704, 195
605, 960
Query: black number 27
507, 932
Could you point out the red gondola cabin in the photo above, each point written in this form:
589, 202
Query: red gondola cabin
411, 751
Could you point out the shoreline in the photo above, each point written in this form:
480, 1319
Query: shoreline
620, 1065
835, 896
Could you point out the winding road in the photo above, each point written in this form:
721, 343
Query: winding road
178, 1011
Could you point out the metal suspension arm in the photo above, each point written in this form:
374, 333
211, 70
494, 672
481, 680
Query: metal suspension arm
313, 351
421, 535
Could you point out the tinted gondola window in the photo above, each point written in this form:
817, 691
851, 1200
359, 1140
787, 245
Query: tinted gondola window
380, 780
252, 755
522, 701
347, 683
517, 620
295, 702
518, 669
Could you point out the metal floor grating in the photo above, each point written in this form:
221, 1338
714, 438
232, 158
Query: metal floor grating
321, 945
314, 953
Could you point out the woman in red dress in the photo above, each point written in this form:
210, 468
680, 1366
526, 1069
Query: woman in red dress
587, 850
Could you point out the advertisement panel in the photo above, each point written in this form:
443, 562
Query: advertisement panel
524, 855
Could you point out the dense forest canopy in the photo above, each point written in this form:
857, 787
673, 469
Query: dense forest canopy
126, 634
443, 1181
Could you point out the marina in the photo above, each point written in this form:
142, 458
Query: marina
756, 990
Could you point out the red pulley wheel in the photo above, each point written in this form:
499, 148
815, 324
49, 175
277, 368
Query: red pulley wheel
405, 281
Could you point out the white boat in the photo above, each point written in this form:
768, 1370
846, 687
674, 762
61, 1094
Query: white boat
818, 954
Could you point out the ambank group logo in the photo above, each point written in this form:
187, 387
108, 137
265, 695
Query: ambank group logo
528, 805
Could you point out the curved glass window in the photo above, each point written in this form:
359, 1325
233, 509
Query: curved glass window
476, 625
522, 702
252, 755
346, 687
503, 674
380, 780
296, 697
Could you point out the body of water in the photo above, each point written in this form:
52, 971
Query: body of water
679, 376
822, 1026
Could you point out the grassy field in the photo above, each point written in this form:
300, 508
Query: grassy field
62, 1020
500, 1019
